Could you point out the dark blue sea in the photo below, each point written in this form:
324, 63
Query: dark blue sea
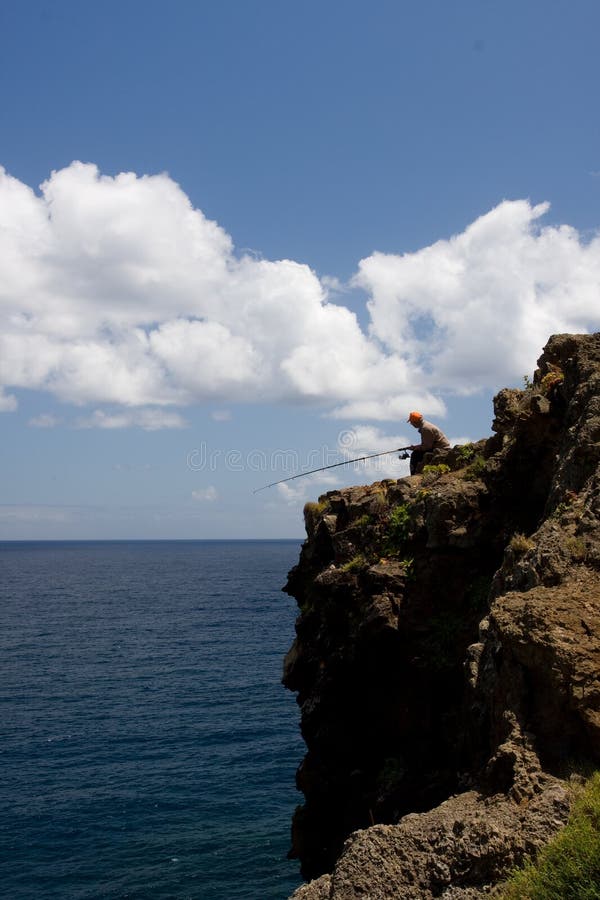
148, 749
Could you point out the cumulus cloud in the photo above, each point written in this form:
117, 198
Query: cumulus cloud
117, 291
475, 310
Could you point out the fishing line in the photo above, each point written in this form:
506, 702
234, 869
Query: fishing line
345, 462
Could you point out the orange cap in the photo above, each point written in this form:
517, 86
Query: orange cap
415, 417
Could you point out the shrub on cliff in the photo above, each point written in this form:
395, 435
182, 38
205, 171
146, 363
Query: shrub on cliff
569, 867
398, 528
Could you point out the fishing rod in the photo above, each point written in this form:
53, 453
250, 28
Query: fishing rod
345, 462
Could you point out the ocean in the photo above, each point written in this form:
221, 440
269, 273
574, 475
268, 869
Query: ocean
148, 748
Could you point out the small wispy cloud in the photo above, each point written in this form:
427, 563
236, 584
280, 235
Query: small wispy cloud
34, 513
221, 415
8, 402
44, 420
333, 285
206, 495
147, 419
129, 467
294, 492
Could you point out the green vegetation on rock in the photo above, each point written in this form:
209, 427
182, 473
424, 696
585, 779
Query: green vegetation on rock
357, 562
568, 868
466, 453
432, 473
409, 567
398, 528
363, 521
475, 469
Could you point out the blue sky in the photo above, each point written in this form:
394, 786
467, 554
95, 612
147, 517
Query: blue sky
242, 237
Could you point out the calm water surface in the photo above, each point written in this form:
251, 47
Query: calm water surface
148, 748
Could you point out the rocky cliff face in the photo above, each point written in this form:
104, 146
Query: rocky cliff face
447, 658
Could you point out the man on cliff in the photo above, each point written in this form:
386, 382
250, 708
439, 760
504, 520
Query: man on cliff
432, 438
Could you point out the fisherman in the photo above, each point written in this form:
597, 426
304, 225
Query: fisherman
432, 438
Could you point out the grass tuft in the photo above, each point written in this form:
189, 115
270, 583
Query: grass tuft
520, 544
432, 473
568, 868
355, 564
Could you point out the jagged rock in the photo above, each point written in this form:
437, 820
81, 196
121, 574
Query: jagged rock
458, 850
449, 644
319, 889
454, 513
553, 636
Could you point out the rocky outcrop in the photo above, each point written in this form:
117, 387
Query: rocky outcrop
447, 852
447, 657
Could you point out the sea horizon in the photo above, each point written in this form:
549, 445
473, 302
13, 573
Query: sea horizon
285, 540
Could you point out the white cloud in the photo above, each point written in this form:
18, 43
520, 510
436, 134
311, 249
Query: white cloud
474, 311
365, 440
206, 495
221, 415
130, 296
295, 493
117, 291
148, 419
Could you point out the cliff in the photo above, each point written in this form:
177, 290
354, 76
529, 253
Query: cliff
447, 657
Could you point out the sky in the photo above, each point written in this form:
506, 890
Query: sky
243, 239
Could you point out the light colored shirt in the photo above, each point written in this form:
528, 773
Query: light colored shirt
432, 438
